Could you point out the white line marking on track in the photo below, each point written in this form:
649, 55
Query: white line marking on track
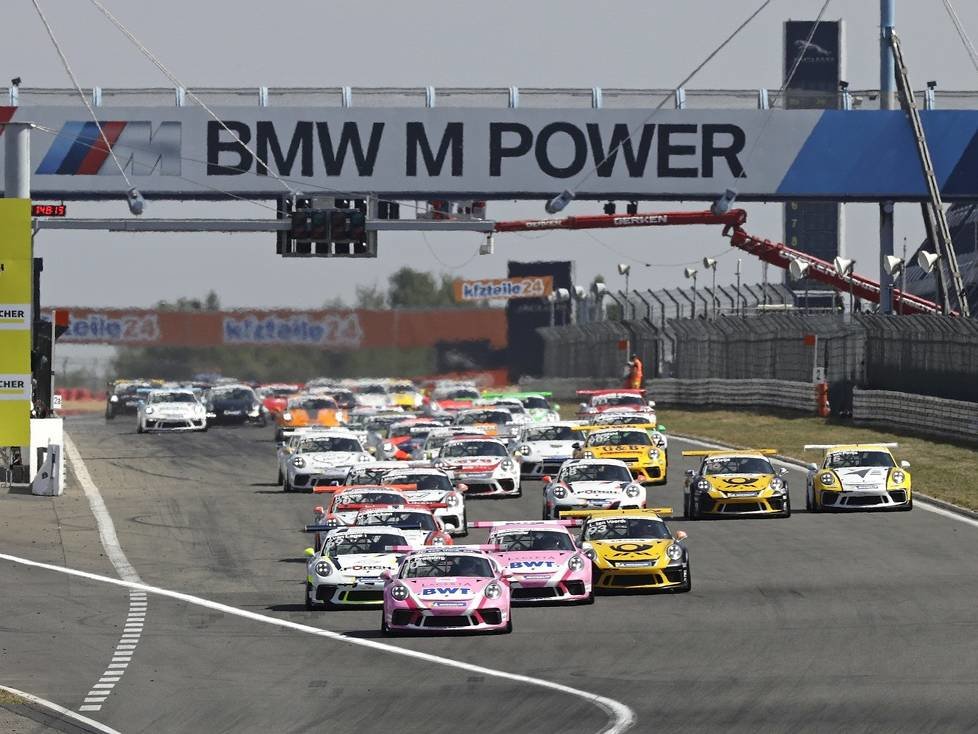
917, 501
121, 564
621, 717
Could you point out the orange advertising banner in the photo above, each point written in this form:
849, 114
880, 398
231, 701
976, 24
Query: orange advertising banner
326, 329
494, 289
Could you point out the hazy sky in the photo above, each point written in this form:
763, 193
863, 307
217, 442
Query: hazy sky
529, 43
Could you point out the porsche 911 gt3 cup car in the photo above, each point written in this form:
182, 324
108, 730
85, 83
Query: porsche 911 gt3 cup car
597, 402
483, 465
456, 588
603, 484
634, 549
542, 449
308, 410
438, 437
544, 560
285, 450
537, 404
347, 569
419, 524
345, 502
370, 472
635, 420
858, 477
634, 446
493, 421
433, 487
735, 483
171, 410
323, 457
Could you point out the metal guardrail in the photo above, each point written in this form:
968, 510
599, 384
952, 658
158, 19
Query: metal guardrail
924, 414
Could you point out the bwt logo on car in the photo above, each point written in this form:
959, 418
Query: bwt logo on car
446, 590
532, 564
79, 150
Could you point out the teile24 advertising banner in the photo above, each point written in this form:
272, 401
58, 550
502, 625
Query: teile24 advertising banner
15, 322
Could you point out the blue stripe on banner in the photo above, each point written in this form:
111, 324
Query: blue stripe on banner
871, 154
59, 148
79, 149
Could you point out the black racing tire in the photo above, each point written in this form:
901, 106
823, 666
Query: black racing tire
787, 507
139, 427
385, 629
589, 599
281, 478
815, 508
279, 435
688, 584
109, 414
507, 629
808, 500
464, 530
262, 422
691, 511
310, 604
286, 487
907, 507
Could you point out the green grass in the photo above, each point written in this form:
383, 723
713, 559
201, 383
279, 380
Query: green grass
943, 470
7, 699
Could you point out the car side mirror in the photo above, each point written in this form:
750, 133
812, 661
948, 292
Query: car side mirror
309, 552
547, 479
506, 574
661, 428
904, 464
690, 473
813, 467
462, 487
576, 445
318, 509
651, 403
782, 471
386, 575
681, 535
582, 406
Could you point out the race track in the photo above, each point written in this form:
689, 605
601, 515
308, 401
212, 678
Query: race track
820, 622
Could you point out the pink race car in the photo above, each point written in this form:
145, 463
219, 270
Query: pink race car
544, 560
447, 588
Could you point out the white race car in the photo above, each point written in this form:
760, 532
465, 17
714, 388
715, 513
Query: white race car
592, 484
347, 569
438, 437
432, 487
858, 477
542, 449
419, 525
171, 410
370, 472
323, 457
286, 449
484, 465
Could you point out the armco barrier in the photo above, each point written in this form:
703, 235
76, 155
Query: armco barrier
939, 417
707, 393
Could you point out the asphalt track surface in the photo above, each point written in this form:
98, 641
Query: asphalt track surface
863, 622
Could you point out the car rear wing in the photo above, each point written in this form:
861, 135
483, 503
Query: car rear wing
569, 523
486, 548
711, 452
829, 447
657, 511
611, 391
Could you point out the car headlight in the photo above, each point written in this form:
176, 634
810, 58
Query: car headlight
897, 476
114, 399
150, 410
332, 522
388, 446
525, 449
777, 484
654, 454
703, 485
506, 464
674, 552
438, 540
286, 416
364, 457
255, 409
559, 492
588, 454
493, 590
826, 478
323, 569
575, 563
399, 592
632, 491
298, 462
452, 500
589, 552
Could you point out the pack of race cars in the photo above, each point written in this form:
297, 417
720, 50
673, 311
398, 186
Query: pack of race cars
395, 492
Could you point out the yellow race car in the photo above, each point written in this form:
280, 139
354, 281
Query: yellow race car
406, 395
858, 477
735, 483
633, 445
634, 550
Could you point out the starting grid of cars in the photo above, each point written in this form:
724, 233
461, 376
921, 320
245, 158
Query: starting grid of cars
396, 466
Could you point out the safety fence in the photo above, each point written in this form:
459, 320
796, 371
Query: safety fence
924, 414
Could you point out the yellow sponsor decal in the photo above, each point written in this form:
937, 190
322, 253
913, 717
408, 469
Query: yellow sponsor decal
16, 269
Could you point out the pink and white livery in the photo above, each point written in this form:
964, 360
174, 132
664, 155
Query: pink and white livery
451, 588
484, 465
543, 558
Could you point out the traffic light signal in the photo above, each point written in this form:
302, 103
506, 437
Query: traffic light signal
328, 231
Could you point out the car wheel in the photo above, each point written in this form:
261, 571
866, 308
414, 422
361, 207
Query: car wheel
507, 629
384, 627
814, 501
589, 599
692, 512
286, 487
907, 507
109, 415
139, 428
787, 507
279, 435
310, 604
808, 499
543, 513
281, 478
688, 583
464, 530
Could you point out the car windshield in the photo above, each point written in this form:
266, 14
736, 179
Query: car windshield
280, 392
420, 481
382, 423
438, 566
362, 543
498, 417
344, 396
513, 406
368, 498
404, 520
373, 390
403, 387
853, 459
737, 465
625, 420
473, 448
595, 473
553, 433
532, 540
312, 404
626, 528
619, 438
604, 400
366, 476
462, 393
172, 397
329, 443
234, 393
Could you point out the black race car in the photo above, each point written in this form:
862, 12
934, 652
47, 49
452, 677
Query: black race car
233, 404
123, 398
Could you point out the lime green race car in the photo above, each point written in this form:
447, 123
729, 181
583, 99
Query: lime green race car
537, 404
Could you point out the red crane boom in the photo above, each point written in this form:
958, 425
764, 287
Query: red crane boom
733, 221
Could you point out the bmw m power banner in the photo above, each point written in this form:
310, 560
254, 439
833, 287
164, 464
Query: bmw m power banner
15, 322
485, 153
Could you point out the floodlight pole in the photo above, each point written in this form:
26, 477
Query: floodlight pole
887, 102
17, 160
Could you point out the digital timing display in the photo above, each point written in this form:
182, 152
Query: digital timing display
48, 210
